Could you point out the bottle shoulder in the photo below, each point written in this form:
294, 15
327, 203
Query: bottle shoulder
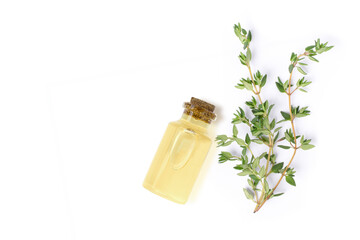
188, 126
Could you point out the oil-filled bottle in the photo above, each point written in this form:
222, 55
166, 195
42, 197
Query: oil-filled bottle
181, 153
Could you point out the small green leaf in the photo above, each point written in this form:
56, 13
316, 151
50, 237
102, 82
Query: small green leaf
284, 147
277, 167
286, 84
242, 58
262, 155
246, 43
290, 180
263, 81
272, 124
328, 48
288, 137
299, 115
301, 71
248, 194
278, 194
226, 144
272, 158
262, 172
243, 152
270, 107
293, 57
277, 129
313, 59
306, 83
280, 87
291, 67
307, 146
249, 37
240, 141
285, 115
235, 131
256, 162
309, 48
239, 167
253, 177
257, 141
240, 86
244, 172
247, 139
248, 86
266, 186
237, 30
248, 55
303, 90
266, 123
225, 156
221, 138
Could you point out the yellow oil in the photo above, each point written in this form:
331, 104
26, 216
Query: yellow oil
178, 160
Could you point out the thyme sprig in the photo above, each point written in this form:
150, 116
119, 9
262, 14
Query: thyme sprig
265, 130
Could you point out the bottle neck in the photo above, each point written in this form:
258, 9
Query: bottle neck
201, 125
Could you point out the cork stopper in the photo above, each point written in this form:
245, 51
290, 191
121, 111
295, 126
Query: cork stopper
200, 110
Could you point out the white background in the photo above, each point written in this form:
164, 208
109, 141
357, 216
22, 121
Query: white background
88, 87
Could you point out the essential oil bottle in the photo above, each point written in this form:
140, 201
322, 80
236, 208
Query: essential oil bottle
181, 153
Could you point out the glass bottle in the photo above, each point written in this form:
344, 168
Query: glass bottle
181, 153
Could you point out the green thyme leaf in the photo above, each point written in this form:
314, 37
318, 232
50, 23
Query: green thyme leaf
263, 81
277, 129
277, 167
248, 86
284, 147
257, 141
240, 141
245, 172
221, 137
266, 186
307, 146
262, 171
301, 71
247, 139
237, 30
313, 59
278, 194
285, 115
235, 131
309, 47
280, 87
248, 194
225, 156
249, 37
254, 177
291, 67
248, 55
256, 162
290, 180
293, 57
239, 167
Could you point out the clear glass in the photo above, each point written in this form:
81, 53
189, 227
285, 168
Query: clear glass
179, 158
